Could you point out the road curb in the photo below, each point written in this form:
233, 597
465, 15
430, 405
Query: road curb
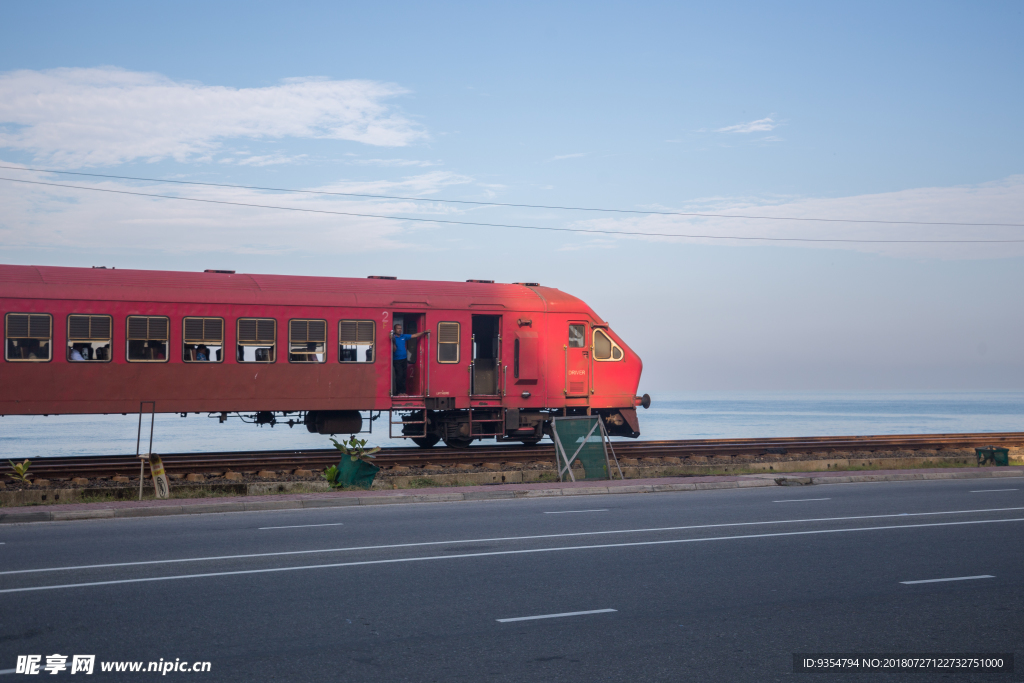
754, 481
916, 476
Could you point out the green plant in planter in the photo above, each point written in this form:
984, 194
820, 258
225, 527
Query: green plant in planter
21, 471
356, 449
356, 467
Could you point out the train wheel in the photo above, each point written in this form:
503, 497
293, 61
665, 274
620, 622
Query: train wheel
457, 442
427, 441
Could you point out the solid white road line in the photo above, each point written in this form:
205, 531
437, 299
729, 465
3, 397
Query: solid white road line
569, 534
566, 512
555, 616
300, 526
799, 500
496, 553
955, 578
993, 490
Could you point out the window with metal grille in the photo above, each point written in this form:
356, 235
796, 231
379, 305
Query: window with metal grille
355, 341
89, 338
448, 342
29, 336
307, 341
147, 339
202, 340
604, 348
257, 340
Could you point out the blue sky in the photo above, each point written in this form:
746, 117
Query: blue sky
873, 111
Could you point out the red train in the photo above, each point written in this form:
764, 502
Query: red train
490, 360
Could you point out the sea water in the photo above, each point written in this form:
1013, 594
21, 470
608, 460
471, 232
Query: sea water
676, 415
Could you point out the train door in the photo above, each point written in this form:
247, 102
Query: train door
486, 362
409, 380
577, 360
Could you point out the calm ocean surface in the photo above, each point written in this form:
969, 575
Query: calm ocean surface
678, 415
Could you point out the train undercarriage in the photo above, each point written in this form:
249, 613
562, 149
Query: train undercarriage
459, 428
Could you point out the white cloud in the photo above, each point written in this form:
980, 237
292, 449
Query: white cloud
266, 160
57, 219
568, 156
394, 162
759, 126
101, 116
421, 185
995, 202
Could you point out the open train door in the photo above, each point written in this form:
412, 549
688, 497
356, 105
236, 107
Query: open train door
486, 366
577, 360
415, 380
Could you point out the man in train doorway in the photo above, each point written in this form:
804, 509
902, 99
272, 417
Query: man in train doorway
399, 357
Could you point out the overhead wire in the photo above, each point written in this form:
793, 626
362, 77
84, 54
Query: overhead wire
520, 206
626, 233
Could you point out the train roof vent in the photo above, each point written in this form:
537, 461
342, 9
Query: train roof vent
223, 272
527, 284
381, 277
488, 282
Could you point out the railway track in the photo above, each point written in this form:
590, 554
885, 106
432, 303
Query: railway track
318, 459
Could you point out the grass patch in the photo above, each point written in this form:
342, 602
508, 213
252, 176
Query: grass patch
423, 483
103, 498
202, 493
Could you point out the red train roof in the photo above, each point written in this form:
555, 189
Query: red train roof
51, 282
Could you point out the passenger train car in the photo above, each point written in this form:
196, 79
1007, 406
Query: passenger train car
495, 360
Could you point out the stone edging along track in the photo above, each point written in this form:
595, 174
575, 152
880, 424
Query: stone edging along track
154, 508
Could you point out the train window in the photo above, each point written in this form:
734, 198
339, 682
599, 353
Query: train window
203, 340
29, 336
448, 342
257, 340
147, 339
577, 336
307, 341
605, 348
89, 338
355, 341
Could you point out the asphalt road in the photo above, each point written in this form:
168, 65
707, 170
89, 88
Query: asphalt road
707, 586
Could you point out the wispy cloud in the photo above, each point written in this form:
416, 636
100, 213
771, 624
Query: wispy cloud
996, 202
394, 162
76, 117
577, 155
266, 160
759, 126
37, 216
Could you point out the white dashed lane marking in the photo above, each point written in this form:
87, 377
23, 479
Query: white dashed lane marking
555, 616
955, 578
300, 526
565, 512
799, 500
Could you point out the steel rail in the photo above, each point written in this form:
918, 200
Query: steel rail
317, 459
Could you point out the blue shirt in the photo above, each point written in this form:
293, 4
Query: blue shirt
400, 339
